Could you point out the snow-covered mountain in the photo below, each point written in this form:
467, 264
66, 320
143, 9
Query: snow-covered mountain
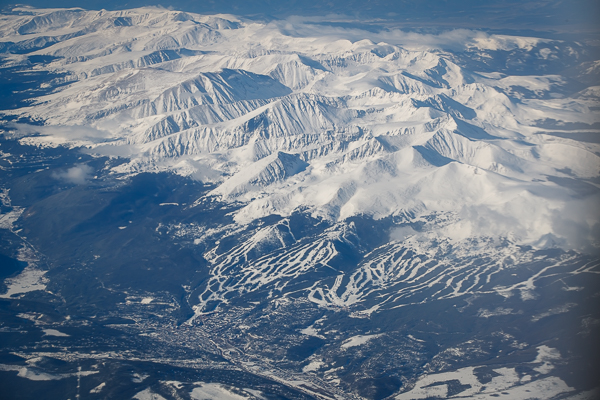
343, 185
384, 128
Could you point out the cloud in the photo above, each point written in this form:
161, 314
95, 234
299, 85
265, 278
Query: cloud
65, 132
329, 28
526, 219
578, 224
113, 150
401, 233
78, 174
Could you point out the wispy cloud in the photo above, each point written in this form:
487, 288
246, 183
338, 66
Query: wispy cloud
78, 174
62, 133
331, 27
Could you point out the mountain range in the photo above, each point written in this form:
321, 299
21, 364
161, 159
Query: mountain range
311, 210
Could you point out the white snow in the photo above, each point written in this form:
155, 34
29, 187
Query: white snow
415, 339
35, 375
54, 332
29, 280
30, 374
148, 394
553, 311
98, 388
138, 378
8, 219
508, 384
544, 357
310, 331
314, 365
483, 313
358, 340
209, 391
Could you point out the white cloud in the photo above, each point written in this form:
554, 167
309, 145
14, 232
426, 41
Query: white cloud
77, 175
451, 39
66, 133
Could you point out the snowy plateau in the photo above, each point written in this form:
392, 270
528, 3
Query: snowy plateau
210, 206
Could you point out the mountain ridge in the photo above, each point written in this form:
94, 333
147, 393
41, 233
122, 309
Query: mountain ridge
226, 95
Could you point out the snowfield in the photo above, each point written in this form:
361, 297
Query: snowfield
344, 122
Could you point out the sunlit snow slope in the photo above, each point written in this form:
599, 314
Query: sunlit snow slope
341, 122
